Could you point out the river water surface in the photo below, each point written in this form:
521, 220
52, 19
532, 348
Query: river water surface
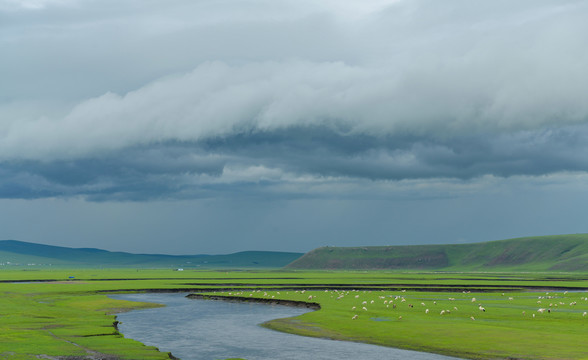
207, 330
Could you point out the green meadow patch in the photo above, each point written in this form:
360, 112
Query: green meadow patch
472, 325
60, 313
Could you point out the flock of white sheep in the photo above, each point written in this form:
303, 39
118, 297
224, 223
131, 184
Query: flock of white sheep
392, 301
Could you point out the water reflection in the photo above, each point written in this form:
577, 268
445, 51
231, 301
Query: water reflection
206, 330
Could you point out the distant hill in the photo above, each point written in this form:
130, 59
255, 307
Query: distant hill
538, 253
19, 253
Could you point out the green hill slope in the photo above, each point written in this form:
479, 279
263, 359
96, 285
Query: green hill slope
539, 253
19, 253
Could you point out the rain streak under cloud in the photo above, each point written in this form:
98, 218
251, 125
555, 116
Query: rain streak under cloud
361, 102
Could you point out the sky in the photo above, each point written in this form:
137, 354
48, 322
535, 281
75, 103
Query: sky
201, 126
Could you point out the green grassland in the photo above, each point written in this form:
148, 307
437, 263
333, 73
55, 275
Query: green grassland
66, 312
512, 326
538, 253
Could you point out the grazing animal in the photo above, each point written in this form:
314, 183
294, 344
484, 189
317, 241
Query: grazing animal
471, 317
364, 308
584, 314
427, 311
354, 317
481, 308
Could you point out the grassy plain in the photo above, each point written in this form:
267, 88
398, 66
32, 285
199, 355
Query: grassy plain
59, 313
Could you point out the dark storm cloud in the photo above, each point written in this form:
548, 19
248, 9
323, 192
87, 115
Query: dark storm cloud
138, 173
249, 164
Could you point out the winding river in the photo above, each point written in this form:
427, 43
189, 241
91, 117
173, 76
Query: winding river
207, 330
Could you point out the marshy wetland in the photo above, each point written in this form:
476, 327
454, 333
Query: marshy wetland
69, 315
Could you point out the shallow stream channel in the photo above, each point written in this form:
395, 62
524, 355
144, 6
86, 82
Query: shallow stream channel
208, 330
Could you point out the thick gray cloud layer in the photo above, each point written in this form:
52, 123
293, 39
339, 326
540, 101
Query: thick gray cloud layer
138, 100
